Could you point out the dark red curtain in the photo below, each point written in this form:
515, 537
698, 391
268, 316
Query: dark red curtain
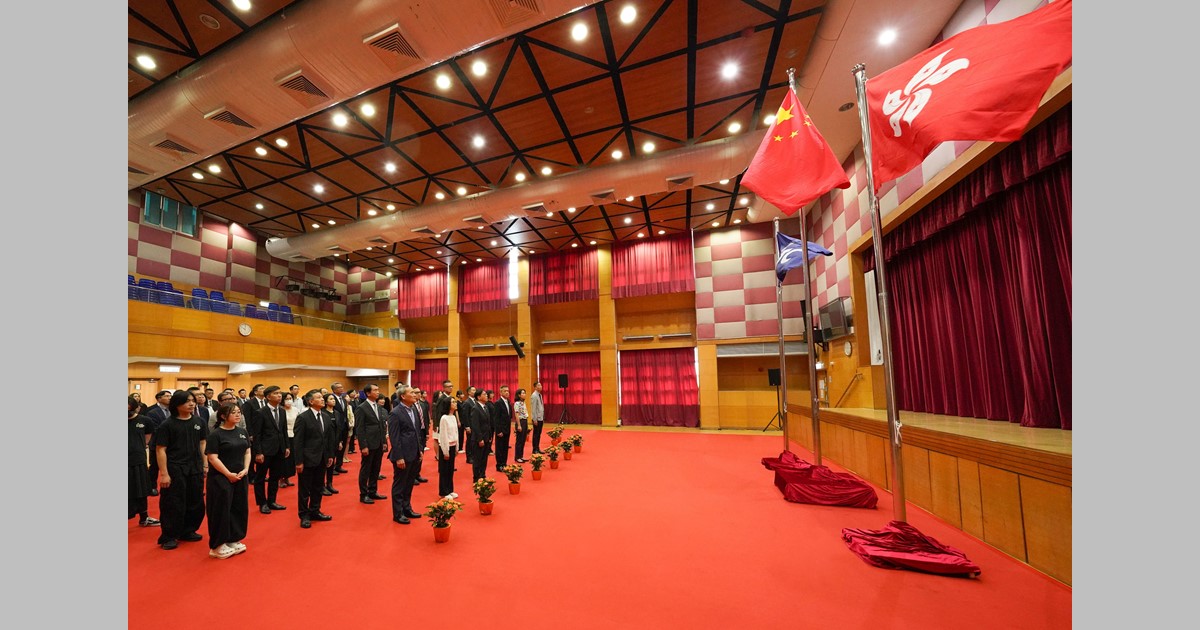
980, 286
483, 286
567, 276
492, 372
659, 388
653, 267
422, 295
582, 395
428, 374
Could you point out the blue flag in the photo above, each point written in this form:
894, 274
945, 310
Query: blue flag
791, 254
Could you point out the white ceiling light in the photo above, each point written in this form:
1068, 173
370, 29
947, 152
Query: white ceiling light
439, 195
391, 206
493, 243
617, 154
716, 223
242, 5
710, 206
550, 214
546, 170
477, 142
628, 14
260, 150
319, 188
887, 37
571, 210
331, 222
214, 169
280, 142
735, 127
146, 61
316, 226
443, 81
641, 234
574, 244
431, 266
768, 119
391, 260
168, 368
461, 191
628, 220
390, 167
439, 251
737, 221
723, 182
743, 201
369, 248
340, 119
258, 206
389, 274
662, 231
367, 110
519, 177
629, 198
591, 242
579, 32
198, 175
479, 68
371, 212
478, 260
729, 70
648, 147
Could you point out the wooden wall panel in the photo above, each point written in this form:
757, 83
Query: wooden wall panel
1000, 495
745, 409
916, 475
710, 410
876, 470
1046, 508
970, 502
943, 484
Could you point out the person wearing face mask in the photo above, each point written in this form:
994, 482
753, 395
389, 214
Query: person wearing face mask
139, 479
291, 409
179, 445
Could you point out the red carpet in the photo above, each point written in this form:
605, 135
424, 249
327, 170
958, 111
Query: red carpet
640, 530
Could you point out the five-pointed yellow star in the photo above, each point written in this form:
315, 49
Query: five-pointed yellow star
807, 121
778, 138
793, 134
782, 115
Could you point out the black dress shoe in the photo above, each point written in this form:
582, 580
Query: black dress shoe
411, 514
422, 480
170, 544
154, 493
264, 509
333, 490
321, 516
340, 470
402, 520
191, 537
276, 506
382, 477
305, 523
379, 497
365, 499
326, 492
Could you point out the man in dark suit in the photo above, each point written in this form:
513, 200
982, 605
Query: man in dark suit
403, 430
422, 407
338, 412
158, 413
250, 408
370, 428
479, 441
441, 402
465, 409
501, 422
269, 445
314, 441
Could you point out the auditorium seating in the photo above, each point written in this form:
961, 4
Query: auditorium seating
163, 292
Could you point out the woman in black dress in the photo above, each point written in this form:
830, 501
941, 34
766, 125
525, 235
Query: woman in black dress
228, 452
179, 447
139, 478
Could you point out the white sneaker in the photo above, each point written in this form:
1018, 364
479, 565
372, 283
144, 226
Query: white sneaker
222, 552
453, 495
238, 547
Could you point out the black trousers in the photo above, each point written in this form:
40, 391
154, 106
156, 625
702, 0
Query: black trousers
228, 510
522, 433
138, 507
308, 491
446, 472
181, 505
402, 487
368, 472
265, 490
479, 458
537, 437
501, 448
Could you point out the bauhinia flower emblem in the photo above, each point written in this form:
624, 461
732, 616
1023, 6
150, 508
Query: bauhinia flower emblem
904, 105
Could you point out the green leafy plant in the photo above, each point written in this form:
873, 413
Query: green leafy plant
513, 472
484, 489
440, 511
537, 460
575, 439
551, 452
556, 432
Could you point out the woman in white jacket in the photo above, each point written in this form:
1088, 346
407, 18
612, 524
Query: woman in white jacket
447, 449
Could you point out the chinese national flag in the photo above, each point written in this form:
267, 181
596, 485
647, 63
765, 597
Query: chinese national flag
982, 84
793, 165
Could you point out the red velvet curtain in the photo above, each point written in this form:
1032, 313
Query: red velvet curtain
492, 372
659, 388
428, 374
654, 266
567, 276
582, 395
980, 286
422, 295
483, 286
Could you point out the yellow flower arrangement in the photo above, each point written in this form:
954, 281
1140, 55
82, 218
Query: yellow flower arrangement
440, 511
514, 472
484, 489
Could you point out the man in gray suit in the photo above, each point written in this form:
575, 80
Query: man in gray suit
537, 413
404, 431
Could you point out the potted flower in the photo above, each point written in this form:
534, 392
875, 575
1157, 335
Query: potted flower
514, 473
567, 447
484, 489
551, 453
439, 513
577, 442
537, 460
556, 434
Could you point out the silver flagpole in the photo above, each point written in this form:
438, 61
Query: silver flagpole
808, 328
898, 503
781, 401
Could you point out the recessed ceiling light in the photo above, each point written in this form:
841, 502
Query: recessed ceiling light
371, 212
439, 195
628, 220
260, 150
574, 244
479, 228
617, 154
281, 142
648, 147
198, 175
340, 119
629, 198
316, 226
431, 266
461, 191
546, 170
519, 177
390, 167
628, 14
887, 37
331, 222
729, 70
571, 210
735, 127
710, 206
768, 119
367, 110
214, 169
241, 5
391, 206
716, 223
463, 262
439, 251
443, 81
146, 61
369, 248
478, 260
743, 201
579, 32
319, 188
389, 274
259, 206
737, 221
662, 231
478, 142
479, 68
493, 243
550, 214
723, 182
591, 242
391, 260
641, 234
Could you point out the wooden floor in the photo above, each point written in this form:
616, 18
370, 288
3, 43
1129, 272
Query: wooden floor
1050, 440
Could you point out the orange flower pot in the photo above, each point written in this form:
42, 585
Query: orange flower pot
555, 441
537, 474
514, 488
441, 534
578, 448
567, 454
486, 508
554, 463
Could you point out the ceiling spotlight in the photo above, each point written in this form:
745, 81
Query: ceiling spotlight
579, 32
519, 177
641, 234
369, 248
648, 147
198, 175
723, 182
479, 228
443, 81
716, 223
768, 119
710, 206
340, 119
371, 212
729, 70
628, 220
331, 222
391, 206
260, 150
477, 142
389, 274
571, 210
319, 188
617, 154
574, 244
367, 110
887, 37
493, 243
735, 127
146, 61
241, 5
431, 266
439, 251
439, 195
591, 242
737, 221
479, 68
316, 226
743, 201
662, 232
462, 191
629, 198
478, 260
628, 14
546, 170
390, 167
214, 169
550, 214
463, 262
258, 206
280, 142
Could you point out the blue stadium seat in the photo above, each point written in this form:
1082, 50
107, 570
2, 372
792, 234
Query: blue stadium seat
285, 314
132, 281
173, 297
233, 308
200, 300
147, 290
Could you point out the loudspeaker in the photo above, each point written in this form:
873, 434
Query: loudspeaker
773, 377
562, 381
818, 335
517, 346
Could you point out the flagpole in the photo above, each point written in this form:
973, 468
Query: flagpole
807, 315
781, 400
893, 415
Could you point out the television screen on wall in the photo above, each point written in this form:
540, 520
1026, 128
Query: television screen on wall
837, 318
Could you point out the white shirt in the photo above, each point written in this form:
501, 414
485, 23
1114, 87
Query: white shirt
447, 434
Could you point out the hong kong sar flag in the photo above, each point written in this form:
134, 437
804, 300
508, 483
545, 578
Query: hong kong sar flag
982, 84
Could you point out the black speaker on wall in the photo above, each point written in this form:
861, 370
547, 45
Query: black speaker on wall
773, 377
562, 381
517, 346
